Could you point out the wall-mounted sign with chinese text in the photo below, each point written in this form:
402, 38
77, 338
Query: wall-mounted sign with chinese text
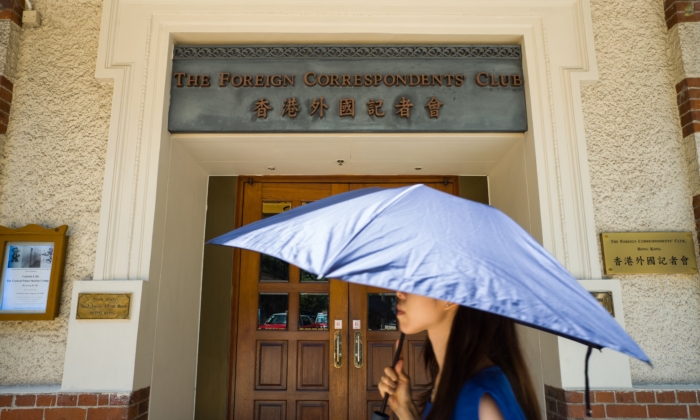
442, 88
649, 252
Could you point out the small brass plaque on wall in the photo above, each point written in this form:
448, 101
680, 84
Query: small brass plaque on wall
103, 306
649, 252
605, 299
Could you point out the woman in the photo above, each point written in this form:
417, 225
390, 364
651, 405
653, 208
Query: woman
475, 362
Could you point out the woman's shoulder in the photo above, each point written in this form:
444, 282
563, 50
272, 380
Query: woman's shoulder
493, 381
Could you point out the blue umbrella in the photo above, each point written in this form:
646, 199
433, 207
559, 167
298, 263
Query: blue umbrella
419, 240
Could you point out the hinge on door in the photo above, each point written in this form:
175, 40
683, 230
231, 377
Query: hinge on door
446, 181
250, 181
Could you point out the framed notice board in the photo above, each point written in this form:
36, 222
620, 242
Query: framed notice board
31, 272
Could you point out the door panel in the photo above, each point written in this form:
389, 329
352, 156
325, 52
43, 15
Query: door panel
381, 336
378, 326
271, 370
420, 377
312, 410
287, 361
270, 410
312, 366
284, 347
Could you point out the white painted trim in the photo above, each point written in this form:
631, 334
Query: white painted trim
557, 43
40, 389
608, 369
101, 353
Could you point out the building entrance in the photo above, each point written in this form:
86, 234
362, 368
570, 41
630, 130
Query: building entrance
309, 348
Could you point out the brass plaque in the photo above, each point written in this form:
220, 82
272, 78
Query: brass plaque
605, 299
649, 252
103, 306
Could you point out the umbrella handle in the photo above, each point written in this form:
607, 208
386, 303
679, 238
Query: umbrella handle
393, 365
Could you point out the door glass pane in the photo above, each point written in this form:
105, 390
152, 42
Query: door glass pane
271, 268
381, 311
272, 311
313, 311
306, 276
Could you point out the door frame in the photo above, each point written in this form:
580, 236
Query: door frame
329, 179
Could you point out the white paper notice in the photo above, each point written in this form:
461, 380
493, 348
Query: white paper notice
26, 273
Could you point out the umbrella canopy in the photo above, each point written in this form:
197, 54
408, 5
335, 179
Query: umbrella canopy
422, 241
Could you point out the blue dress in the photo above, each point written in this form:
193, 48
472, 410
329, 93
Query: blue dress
493, 381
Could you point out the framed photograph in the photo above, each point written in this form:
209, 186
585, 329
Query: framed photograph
31, 272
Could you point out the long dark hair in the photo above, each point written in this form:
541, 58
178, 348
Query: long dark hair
478, 336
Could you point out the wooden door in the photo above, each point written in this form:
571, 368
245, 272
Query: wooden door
373, 310
288, 364
285, 369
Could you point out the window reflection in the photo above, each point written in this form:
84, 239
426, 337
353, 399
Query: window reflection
273, 269
381, 311
313, 311
306, 277
272, 311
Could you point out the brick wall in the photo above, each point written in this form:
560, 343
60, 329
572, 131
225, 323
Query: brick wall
688, 94
6, 88
637, 404
677, 11
75, 406
12, 10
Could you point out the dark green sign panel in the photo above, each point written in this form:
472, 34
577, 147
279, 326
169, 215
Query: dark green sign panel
254, 89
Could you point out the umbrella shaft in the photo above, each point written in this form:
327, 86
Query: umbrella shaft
393, 365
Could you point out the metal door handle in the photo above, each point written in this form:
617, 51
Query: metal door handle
338, 350
358, 349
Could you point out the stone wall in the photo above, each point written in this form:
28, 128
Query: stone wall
639, 177
52, 166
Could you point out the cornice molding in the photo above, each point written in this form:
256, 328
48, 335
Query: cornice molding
348, 52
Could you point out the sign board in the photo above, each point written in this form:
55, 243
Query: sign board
385, 88
605, 299
26, 276
649, 252
31, 272
103, 306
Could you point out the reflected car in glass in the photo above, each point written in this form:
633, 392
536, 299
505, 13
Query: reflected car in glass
321, 322
279, 322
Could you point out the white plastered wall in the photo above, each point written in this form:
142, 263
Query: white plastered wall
145, 198
110, 339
